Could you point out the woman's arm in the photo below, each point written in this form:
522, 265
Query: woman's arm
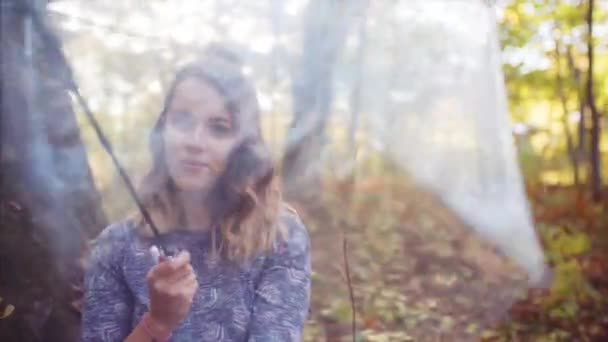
147, 330
171, 286
108, 302
283, 292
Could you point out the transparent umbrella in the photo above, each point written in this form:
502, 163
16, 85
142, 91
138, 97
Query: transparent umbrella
387, 120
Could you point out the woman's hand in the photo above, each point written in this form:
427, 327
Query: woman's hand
171, 285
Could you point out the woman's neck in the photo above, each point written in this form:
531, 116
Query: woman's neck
195, 214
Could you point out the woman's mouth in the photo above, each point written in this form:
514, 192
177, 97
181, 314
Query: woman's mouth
194, 165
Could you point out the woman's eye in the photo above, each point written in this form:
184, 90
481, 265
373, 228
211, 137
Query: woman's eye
221, 129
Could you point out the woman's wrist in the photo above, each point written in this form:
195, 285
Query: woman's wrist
155, 329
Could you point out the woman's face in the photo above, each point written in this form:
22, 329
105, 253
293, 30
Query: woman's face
199, 135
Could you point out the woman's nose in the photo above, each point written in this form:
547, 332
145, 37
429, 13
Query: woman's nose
197, 140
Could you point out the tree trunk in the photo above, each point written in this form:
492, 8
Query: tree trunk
48, 202
276, 9
325, 27
355, 102
596, 172
564, 102
582, 104
355, 95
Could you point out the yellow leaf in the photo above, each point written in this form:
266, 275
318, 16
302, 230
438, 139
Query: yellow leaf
7, 311
472, 328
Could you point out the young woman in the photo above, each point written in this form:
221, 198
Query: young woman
241, 264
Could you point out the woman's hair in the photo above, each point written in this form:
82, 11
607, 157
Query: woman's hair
246, 199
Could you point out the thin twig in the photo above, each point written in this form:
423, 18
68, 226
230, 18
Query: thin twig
53, 44
350, 288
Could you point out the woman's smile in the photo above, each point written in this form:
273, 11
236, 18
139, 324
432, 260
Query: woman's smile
194, 166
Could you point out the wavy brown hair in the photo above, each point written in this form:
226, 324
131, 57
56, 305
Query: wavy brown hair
245, 202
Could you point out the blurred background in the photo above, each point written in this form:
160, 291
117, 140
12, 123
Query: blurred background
378, 145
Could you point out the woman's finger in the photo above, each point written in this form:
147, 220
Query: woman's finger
181, 274
185, 287
155, 254
180, 260
190, 284
169, 266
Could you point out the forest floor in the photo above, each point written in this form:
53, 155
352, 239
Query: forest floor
419, 274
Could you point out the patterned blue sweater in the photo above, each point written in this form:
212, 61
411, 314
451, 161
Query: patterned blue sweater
267, 300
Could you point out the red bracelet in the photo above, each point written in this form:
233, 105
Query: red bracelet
148, 323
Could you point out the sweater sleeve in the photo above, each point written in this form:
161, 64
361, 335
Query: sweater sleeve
107, 303
283, 293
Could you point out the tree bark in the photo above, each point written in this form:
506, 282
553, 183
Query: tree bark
596, 172
564, 102
276, 9
355, 102
576, 73
326, 23
48, 202
355, 95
